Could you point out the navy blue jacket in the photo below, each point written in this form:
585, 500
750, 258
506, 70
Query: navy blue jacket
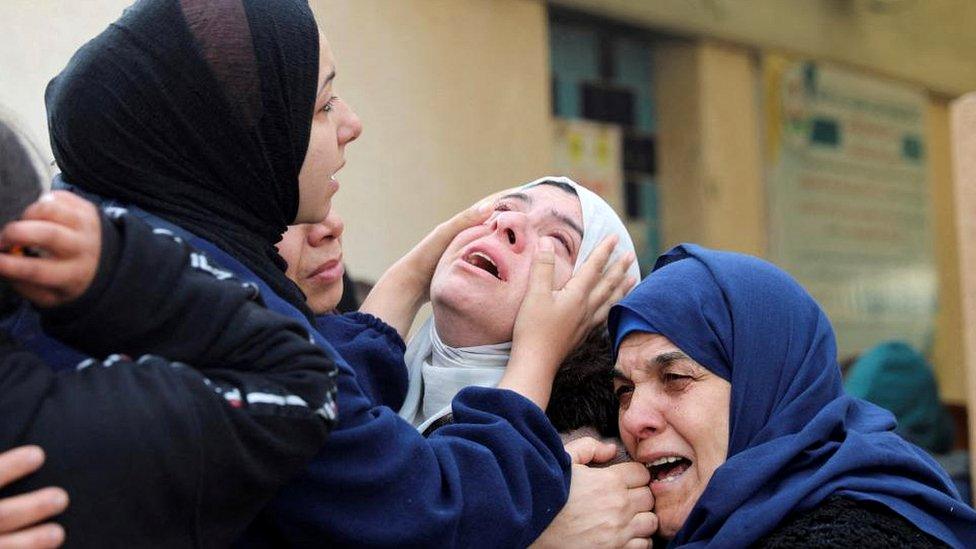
496, 478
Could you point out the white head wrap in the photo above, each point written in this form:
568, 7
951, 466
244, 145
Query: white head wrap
438, 372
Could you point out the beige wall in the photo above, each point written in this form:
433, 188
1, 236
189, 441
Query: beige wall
37, 37
929, 42
947, 351
712, 189
454, 97
963, 124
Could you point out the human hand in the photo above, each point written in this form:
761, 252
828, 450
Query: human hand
552, 322
19, 513
587, 450
67, 230
421, 261
405, 286
608, 507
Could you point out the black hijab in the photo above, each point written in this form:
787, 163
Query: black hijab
198, 111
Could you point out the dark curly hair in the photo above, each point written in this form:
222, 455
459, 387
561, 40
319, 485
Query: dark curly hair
582, 392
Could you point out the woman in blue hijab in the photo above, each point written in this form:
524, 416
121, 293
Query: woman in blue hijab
731, 395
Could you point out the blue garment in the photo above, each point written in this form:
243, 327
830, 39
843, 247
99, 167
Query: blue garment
496, 478
795, 438
24, 325
374, 350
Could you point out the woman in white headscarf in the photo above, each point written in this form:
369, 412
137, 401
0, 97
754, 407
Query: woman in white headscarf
480, 282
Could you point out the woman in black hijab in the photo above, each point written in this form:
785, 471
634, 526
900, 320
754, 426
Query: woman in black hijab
216, 120
217, 116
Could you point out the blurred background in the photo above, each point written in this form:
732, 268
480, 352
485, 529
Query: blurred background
815, 133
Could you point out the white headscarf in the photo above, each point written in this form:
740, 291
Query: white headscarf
438, 372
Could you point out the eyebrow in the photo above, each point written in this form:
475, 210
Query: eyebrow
328, 79
569, 221
658, 361
561, 217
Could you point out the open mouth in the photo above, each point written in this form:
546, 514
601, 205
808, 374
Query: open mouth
668, 468
483, 262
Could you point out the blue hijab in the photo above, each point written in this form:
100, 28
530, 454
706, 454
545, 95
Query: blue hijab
795, 438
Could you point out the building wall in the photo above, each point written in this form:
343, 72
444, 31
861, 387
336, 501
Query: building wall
924, 42
712, 187
454, 98
36, 40
948, 353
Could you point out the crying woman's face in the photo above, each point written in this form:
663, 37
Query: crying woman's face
483, 275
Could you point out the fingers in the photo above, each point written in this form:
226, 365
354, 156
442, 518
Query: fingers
639, 543
53, 238
24, 510
641, 498
19, 462
589, 450
45, 536
38, 271
470, 217
611, 288
64, 208
644, 525
632, 473
543, 267
592, 269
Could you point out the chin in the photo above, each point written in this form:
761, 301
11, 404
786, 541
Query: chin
322, 302
474, 321
670, 522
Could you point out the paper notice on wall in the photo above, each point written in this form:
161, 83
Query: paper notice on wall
849, 209
590, 154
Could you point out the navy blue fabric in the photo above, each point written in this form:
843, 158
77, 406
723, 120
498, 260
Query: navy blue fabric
495, 479
24, 325
795, 438
374, 350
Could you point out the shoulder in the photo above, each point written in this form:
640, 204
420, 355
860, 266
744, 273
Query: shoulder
843, 522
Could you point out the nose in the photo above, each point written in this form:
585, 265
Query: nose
351, 126
642, 418
328, 230
511, 227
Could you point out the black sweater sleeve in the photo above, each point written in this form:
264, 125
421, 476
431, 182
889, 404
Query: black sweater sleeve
842, 522
152, 451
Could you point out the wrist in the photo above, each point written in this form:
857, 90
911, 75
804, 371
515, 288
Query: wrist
541, 355
411, 280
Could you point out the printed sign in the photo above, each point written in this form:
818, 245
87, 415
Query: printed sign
848, 199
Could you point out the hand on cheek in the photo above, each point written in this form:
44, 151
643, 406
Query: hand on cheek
65, 231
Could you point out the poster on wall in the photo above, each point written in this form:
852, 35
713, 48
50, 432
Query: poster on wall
849, 210
591, 153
